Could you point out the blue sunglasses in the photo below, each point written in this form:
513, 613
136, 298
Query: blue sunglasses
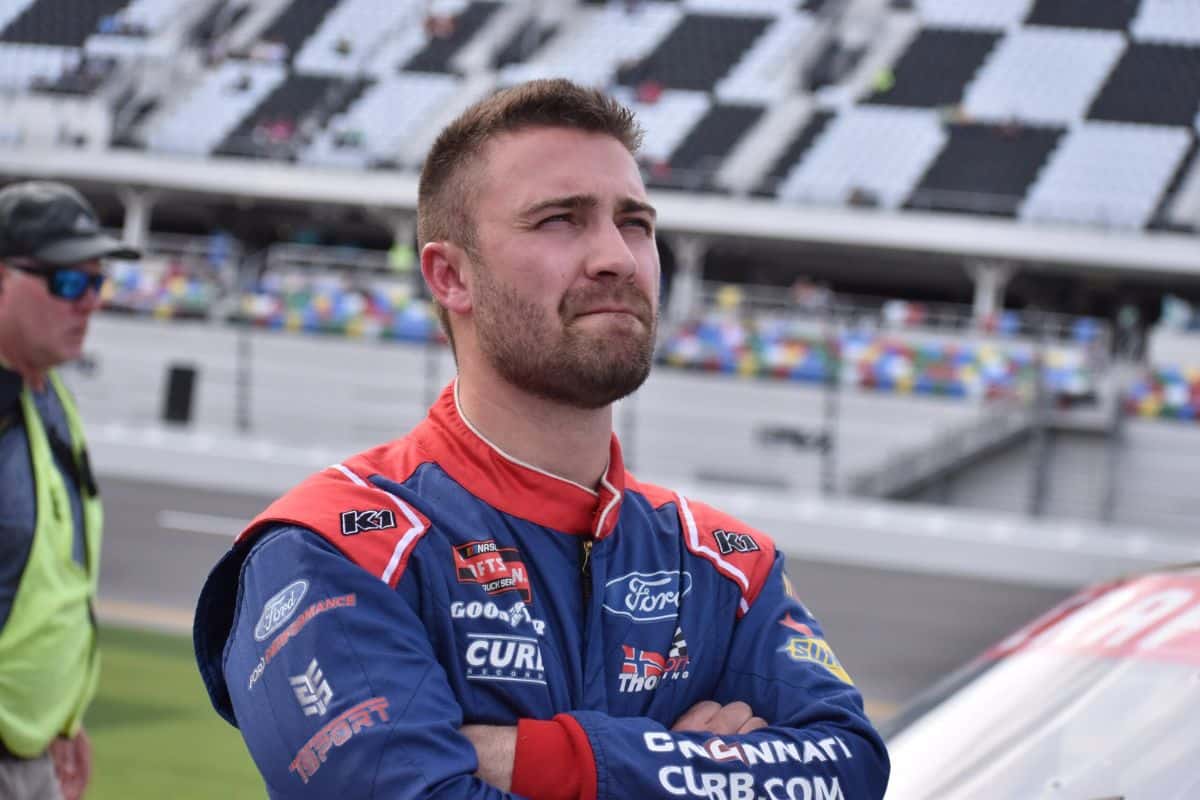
65, 283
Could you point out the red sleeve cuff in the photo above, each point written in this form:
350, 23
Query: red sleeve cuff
553, 760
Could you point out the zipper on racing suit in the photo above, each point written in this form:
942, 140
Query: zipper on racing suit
585, 573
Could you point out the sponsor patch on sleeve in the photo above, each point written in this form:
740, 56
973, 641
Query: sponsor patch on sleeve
374, 519
337, 733
279, 609
816, 651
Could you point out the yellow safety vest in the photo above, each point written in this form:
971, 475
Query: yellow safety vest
49, 664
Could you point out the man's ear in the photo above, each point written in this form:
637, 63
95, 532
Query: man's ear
444, 267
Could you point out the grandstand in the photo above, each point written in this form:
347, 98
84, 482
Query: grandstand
921, 246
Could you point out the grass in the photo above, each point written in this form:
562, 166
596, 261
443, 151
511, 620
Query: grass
154, 733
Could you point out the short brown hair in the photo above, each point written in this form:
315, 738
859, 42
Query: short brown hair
443, 212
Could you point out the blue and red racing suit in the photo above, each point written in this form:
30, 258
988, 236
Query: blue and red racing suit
433, 581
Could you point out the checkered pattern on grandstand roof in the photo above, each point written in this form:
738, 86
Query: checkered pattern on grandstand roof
882, 150
1138, 163
987, 15
666, 121
361, 24
1168, 21
1043, 75
594, 42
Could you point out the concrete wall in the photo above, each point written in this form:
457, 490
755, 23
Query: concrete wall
1156, 464
343, 395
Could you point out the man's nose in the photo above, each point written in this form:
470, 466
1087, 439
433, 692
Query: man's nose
610, 254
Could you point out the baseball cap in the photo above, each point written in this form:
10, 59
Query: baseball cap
52, 223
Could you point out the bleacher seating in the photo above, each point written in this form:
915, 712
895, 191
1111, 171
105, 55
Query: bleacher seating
985, 165
351, 31
1112, 15
1169, 392
667, 119
793, 348
1045, 76
46, 22
594, 42
338, 303
161, 287
765, 72
1139, 161
697, 53
24, 65
10, 10
145, 17
435, 56
967, 106
936, 67
387, 115
297, 21
1175, 69
870, 155
213, 109
791, 154
696, 158
1167, 21
993, 15
276, 120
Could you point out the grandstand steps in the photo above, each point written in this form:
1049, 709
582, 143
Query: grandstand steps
694, 160
439, 52
763, 145
791, 154
936, 68
505, 27
471, 90
303, 100
893, 37
253, 22
920, 471
911, 471
523, 44
700, 50
297, 22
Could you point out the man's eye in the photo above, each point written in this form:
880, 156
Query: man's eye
644, 224
556, 218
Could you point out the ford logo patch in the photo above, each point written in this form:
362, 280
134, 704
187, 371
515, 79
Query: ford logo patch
279, 609
647, 596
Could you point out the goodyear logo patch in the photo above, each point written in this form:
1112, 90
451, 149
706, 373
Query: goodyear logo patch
804, 648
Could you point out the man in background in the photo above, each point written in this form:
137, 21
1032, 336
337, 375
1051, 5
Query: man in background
51, 272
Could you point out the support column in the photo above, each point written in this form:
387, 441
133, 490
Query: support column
990, 277
139, 204
686, 290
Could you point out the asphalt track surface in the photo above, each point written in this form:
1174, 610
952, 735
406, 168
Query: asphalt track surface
895, 631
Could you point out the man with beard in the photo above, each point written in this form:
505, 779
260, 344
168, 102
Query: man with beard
491, 606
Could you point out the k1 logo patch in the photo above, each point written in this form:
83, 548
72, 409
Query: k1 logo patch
734, 542
379, 519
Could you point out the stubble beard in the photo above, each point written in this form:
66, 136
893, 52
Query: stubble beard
556, 359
